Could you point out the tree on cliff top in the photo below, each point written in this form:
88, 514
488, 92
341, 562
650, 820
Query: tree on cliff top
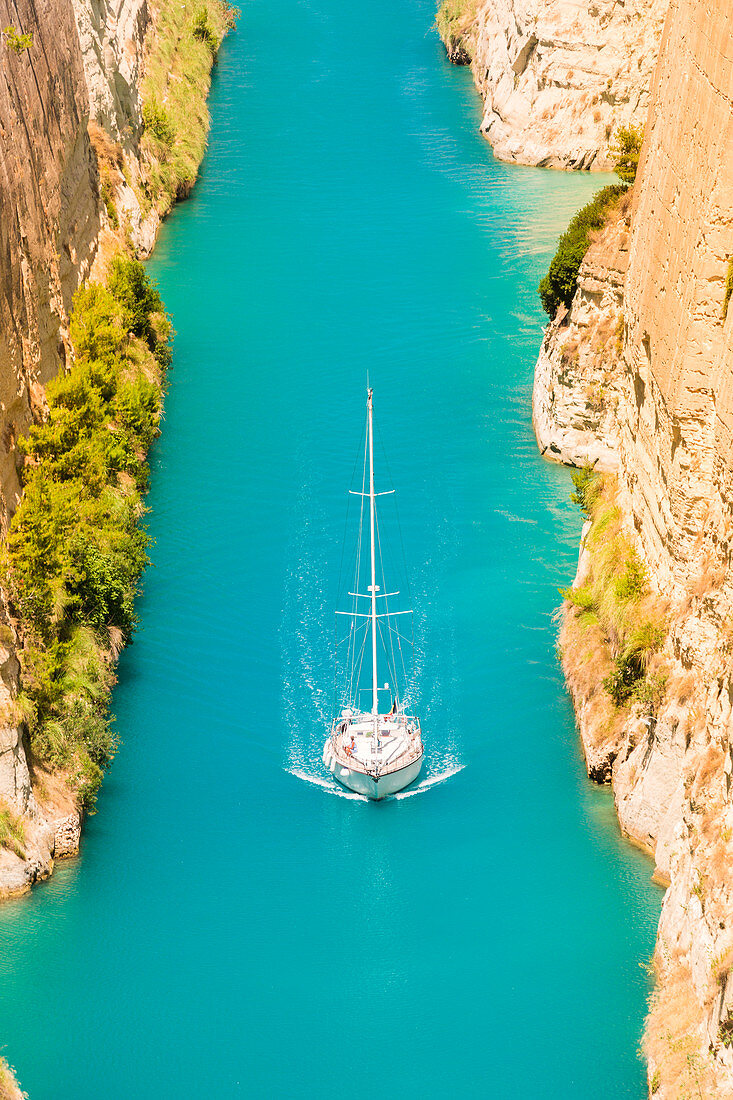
625, 150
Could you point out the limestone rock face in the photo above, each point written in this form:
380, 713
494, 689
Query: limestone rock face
676, 451
674, 434
15, 782
577, 377
678, 436
557, 76
111, 35
49, 220
66, 836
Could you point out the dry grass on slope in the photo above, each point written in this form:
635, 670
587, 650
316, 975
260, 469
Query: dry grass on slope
183, 45
456, 24
678, 1065
613, 623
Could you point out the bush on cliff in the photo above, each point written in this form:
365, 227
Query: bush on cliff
454, 20
16, 40
587, 485
157, 123
202, 30
615, 598
625, 151
76, 548
560, 283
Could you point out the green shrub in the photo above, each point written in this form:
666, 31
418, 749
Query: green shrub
587, 485
650, 691
632, 582
628, 678
130, 286
625, 150
16, 40
12, 832
621, 682
561, 281
76, 549
202, 30
157, 122
614, 598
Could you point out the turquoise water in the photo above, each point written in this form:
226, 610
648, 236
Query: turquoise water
233, 928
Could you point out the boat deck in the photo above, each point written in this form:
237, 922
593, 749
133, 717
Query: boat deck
383, 743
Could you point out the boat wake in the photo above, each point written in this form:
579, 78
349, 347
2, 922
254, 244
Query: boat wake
332, 787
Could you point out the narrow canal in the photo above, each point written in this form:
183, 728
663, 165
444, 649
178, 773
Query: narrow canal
233, 928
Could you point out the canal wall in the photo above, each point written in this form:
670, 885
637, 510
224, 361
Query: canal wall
655, 404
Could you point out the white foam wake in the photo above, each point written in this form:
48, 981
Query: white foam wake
331, 787
325, 784
429, 781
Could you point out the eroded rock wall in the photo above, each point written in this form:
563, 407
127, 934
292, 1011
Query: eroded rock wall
578, 377
111, 36
671, 765
559, 76
676, 451
49, 230
49, 220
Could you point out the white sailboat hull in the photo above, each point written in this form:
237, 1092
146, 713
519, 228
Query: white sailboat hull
369, 785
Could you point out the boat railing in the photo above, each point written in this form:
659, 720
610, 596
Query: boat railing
341, 724
414, 751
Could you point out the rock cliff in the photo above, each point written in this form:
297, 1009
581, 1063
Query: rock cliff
558, 77
676, 457
111, 37
670, 423
49, 221
577, 375
49, 229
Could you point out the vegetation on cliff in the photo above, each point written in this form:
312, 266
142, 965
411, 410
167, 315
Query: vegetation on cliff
174, 90
558, 286
76, 547
15, 40
455, 20
561, 281
625, 150
614, 624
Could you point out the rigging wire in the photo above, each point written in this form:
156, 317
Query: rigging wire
397, 513
358, 635
357, 574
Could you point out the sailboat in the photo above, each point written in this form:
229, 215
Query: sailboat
375, 754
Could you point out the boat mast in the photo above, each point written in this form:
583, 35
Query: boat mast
373, 586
